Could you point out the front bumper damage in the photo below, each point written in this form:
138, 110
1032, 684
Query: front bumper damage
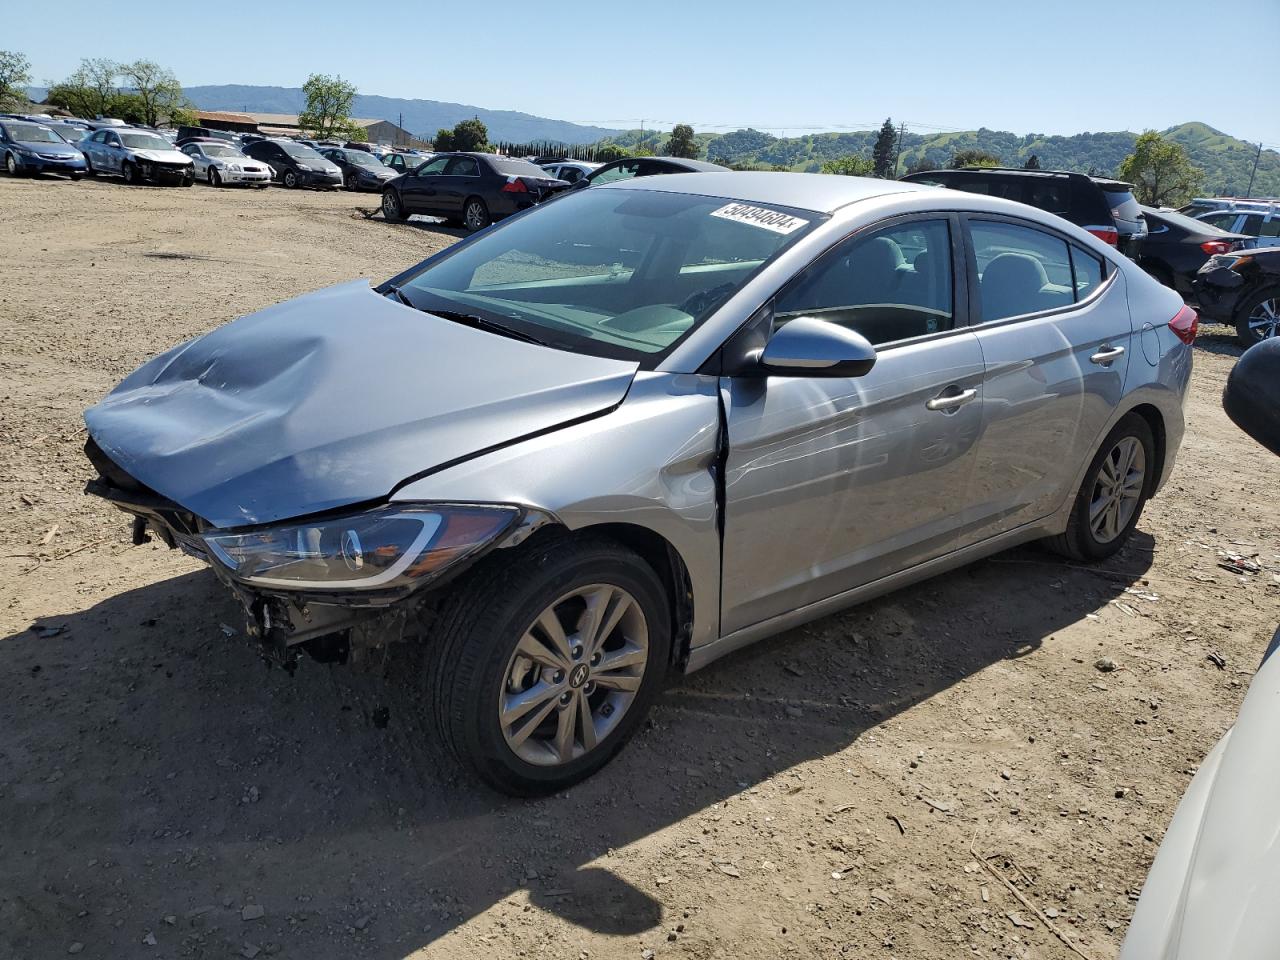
341, 628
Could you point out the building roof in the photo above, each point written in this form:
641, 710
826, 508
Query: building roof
291, 119
224, 117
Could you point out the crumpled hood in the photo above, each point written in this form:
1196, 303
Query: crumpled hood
332, 399
162, 156
1215, 883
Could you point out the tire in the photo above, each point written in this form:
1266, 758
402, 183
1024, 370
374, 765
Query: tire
350, 182
189, 180
1258, 318
88, 168
392, 207
215, 178
475, 663
75, 177
1112, 525
10, 165
290, 180
475, 215
130, 173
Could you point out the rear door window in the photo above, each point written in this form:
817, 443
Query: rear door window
1270, 226
463, 167
1226, 220
1021, 270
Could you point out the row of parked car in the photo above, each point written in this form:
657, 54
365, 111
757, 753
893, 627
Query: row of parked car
1213, 251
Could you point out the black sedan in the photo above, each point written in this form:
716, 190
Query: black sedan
1176, 246
632, 167
468, 189
1242, 289
361, 170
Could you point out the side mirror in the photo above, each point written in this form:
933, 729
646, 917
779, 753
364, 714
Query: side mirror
1251, 397
809, 347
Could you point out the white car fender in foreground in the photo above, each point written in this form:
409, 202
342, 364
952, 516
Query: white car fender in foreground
1214, 888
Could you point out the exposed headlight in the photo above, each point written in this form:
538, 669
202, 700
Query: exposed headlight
389, 547
233, 167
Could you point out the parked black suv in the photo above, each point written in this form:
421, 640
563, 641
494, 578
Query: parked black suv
1106, 208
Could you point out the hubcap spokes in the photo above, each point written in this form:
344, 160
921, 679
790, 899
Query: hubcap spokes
475, 216
1265, 319
1117, 490
573, 675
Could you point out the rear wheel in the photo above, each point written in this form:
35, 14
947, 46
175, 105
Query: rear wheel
1258, 318
548, 661
1115, 489
476, 215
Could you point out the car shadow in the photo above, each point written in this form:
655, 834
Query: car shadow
151, 767
1218, 338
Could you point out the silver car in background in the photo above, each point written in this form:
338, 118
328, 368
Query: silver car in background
220, 164
136, 155
638, 428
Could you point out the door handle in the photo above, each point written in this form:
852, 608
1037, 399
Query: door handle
1106, 355
951, 401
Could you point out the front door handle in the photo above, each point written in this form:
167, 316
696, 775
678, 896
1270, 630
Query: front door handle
951, 401
1106, 355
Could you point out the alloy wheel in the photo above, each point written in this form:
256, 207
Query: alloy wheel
1264, 321
1117, 491
11, 164
573, 675
390, 206
476, 215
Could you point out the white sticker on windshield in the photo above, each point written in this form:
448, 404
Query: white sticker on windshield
760, 217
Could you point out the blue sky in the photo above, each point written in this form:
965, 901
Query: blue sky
789, 67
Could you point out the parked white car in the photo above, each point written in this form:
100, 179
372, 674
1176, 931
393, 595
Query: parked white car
571, 171
1264, 224
221, 163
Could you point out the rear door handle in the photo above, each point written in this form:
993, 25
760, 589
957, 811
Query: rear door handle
951, 401
1106, 355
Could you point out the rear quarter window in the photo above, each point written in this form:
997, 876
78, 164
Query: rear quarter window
1122, 204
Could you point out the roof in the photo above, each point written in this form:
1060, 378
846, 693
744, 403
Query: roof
819, 192
224, 117
291, 119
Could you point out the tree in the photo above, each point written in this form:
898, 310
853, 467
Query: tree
882, 158
854, 165
159, 93
682, 143
1033, 163
1160, 171
90, 91
443, 140
328, 111
973, 158
15, 74
470, 135
609, 152
921, 166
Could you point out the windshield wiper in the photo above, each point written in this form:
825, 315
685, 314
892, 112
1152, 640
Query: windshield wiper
481, 323
400, 295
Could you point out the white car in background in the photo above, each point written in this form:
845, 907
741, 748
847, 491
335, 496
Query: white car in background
221, 163
570, 171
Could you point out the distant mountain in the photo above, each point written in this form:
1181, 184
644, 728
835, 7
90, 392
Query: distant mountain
1226, 161
421, 117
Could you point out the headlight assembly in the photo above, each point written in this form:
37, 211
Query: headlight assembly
387, 548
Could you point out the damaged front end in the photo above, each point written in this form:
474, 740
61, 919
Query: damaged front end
336, 585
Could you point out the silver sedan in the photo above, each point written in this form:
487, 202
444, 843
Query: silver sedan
221, 163
636, 429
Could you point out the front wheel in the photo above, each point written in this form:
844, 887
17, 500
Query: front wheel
548, 662
290, 179
10, 165
215, 178
1258, 318
476, 215
1115, 489
130, 173
392, 208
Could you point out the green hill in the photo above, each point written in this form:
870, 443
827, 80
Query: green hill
1225, 160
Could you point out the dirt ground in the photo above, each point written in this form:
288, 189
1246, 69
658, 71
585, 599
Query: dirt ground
832, 792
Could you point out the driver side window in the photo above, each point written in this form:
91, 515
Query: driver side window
888, 285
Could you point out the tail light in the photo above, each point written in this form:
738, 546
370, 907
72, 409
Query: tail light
1185, 325
1106, 234
515, 185
1217, 246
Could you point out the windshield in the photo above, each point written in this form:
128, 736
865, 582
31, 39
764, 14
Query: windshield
615, 273
71, 134
144, 141
32, 133
218, 150
301, 151
362, 159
